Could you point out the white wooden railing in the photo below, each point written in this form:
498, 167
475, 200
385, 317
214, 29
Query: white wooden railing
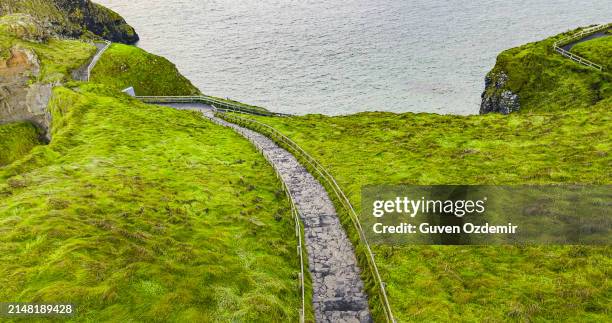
558, 46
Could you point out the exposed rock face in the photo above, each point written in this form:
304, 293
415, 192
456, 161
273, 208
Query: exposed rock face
20, 100
496, 97
74, 18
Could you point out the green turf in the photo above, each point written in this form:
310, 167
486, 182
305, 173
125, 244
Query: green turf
58, 58
140, 213
475, 283
598, 50
547, 81
123, 66
16, 140
73, 19
144, 213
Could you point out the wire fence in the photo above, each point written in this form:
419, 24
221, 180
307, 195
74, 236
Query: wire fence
331, 183
558, 46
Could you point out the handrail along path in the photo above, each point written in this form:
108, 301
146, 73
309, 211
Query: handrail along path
338, 309
325, 176
558, 46
338, 293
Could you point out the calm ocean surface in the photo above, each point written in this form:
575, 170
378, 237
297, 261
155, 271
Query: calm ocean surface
340, 57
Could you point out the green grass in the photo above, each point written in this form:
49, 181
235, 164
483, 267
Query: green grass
123, 66
143, 213
58, 58
598, 50
546, 81
442, 283
74, 19
136, 212
16, 140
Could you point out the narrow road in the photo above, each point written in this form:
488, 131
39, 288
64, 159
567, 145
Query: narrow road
338, 292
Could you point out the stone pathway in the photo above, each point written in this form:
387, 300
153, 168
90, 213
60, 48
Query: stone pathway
338, 292
82, 73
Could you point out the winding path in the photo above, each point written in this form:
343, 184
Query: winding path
84, 72
564, 45
599, 34
338, 291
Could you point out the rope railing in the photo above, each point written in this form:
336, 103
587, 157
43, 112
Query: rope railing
220, 105
558, 46
331, 182
96, 58
299, 232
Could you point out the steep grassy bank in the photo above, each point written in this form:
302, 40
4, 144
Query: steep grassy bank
543, 80
122, 66
136, 212
16, 140
74, 18
475, 283
56, 58
598, 50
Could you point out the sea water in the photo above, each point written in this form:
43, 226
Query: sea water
340, 57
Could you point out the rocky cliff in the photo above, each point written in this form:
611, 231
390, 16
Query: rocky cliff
74, 18
21, 100
497, 97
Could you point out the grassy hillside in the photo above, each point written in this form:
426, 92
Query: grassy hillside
546, 81
598, 50
122, 66
74, 19
57, 57
475, 283
16, 140
136, 212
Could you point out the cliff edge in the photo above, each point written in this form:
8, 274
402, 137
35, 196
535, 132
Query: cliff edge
533, 77
74, 18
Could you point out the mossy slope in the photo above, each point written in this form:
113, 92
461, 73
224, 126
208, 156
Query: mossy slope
546, 81
140, 213
598, 50
16, 140
122, 66
137, 212
57, 57
70, 18
474, 283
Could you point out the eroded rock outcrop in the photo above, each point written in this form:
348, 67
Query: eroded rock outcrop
497, 97
21, 99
